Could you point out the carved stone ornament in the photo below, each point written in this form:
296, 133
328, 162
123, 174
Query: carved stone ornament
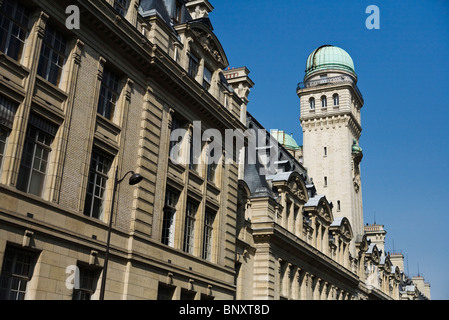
206, 40
296, 188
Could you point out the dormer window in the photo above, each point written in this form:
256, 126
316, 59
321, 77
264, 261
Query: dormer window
121, 6
193, 65
178, 12
207, 78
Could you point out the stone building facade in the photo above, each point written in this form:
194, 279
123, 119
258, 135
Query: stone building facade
82, 108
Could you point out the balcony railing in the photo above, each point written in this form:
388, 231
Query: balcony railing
331, 80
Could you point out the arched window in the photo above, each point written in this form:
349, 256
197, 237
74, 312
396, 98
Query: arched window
323, 102
312, 103
336, 99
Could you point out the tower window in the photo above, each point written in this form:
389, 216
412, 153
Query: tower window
312, 103
325, 181
325, 151
323, 102
336, 99
338, 205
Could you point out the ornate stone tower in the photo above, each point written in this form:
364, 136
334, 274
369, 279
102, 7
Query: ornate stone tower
330, 119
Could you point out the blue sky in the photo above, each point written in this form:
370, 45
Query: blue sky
403, 72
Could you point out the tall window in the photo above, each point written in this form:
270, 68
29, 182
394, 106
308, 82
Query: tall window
121, 6
14, 20
189, 233
336, 99
17, 270
211, 167
193, 65
168, 222
35, 156
323, 102
175, 124
7, 112
53, 56
178, 12
88, 279
109, 93
208, 234
312, 103
96, 186
207, 78
3, 137
325, 181
193, 157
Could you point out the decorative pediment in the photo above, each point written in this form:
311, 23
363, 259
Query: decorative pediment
373, 253
342, 226
387, 264
209, 43
396, 273
297, 187
324, 210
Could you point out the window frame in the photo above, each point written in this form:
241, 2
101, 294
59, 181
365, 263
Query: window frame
104, 177
189, 227
37, 139
323, 101
194, 64
61, 53
208, 234
122, 7
17, 29
9, 275
312, 103
169, 217
109, 94
336, 99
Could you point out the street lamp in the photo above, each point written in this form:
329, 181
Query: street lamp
134, 179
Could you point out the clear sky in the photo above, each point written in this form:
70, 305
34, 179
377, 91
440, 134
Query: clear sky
403, 74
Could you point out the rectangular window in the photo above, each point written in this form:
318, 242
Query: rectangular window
121, 6
88, 279
7, 112
189, 232
3, 137
168, 222
211, 167
178, 12
17, 270
35, 155
325, 181
194, 158
193, 65
96, 185
325, 151
53, 56
175, 124
207, 78
109, 93
208, 234
165, 292
14, 20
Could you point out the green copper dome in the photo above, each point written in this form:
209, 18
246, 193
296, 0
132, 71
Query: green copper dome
329, 57
285, 139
